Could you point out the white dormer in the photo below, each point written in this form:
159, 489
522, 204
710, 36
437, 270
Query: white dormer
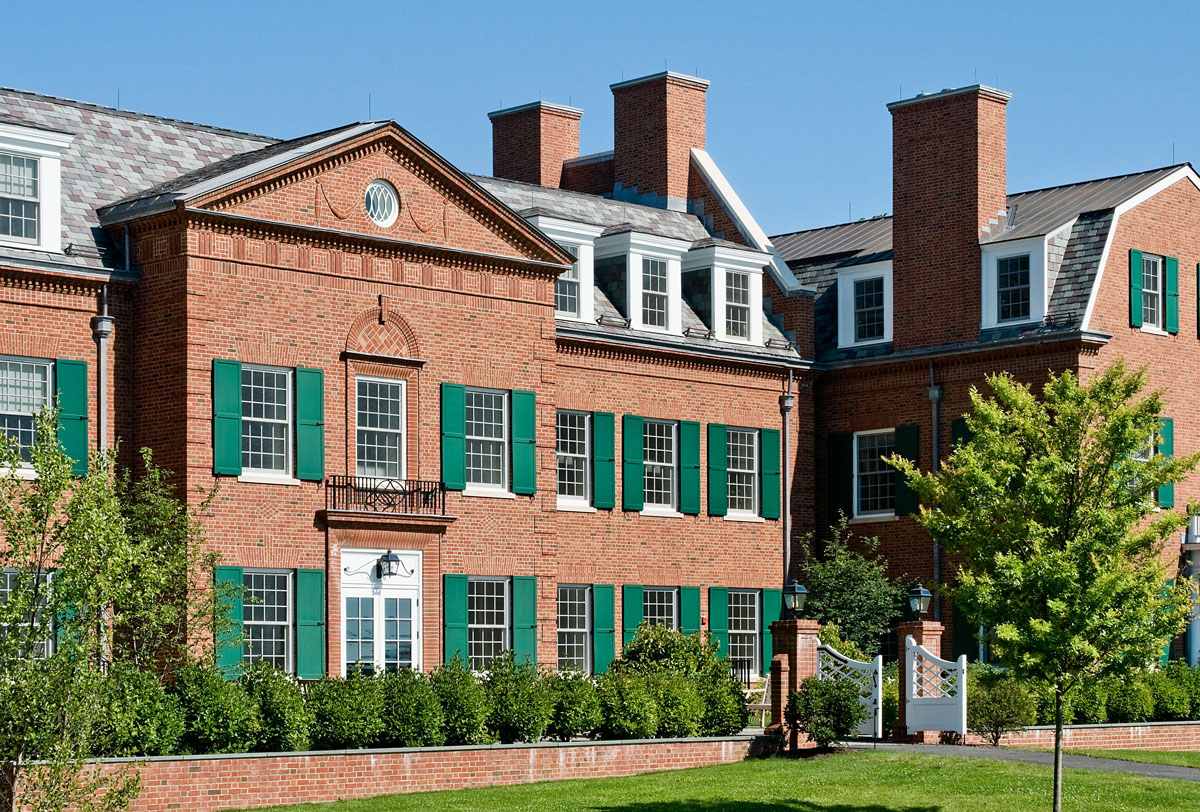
30, 184
736, 290
864, 304
1014, 289
573, 290
653, 288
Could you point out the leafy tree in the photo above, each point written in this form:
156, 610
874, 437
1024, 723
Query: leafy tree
850, 587
1050, 506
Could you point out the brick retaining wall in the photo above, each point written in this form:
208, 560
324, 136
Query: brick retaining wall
209, 783
1146, 736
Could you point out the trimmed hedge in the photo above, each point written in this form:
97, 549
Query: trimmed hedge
464, 703
576, 705
219, 716
520, 703
413, 715
348, 714
285, 717
141, 718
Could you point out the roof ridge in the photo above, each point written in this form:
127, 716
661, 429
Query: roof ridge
875, 219
1100, 180
136, 114
588, 195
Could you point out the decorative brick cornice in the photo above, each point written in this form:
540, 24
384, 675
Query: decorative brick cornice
680, 360
30, 346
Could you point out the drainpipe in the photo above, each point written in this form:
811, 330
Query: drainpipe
1191, 549
935, 405
102, 327
786, 402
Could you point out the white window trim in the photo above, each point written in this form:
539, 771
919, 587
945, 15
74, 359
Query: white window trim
403, 384
873, 515
756, 661
1157, 329
581, 237
756, 475
289, 638
360, 576
635, 246
588, 628
267, 475
507, 642
577, 503
655, 509
674, 590
504, 489
721, 260
1039, 294
51, 642
845, 287
48, 147
25, 469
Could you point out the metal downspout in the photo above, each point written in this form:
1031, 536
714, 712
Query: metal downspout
786, 402
1191, 551
935, 404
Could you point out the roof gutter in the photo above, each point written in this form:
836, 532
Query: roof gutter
651, 344
1084, 336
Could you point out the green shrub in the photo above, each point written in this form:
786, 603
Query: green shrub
347, 714
519, 702
1043, 696
656, 649
140, 718
680, 710
827, 711
219, 716
285, 718
1091, 703
1129, 700
1189, 678
997, 704
725, 711
831, 635
464, 703
891, 697
576, 705
412, 713
627, 707
1172, 699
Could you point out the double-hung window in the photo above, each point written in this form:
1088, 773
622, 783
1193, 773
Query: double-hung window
573, 451
19, 190
10, 583
1153, 286
266, 420
737, 305
869, 317
487, 438
660, 606
267, 618
574, 628
25, 387
874, 479
1012, 288
487, 620
742, 470
660, 462
380, 439
744, 639
654, 293
566, 287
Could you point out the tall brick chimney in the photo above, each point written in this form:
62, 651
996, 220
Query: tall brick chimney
530, 142
657, 120
948, 183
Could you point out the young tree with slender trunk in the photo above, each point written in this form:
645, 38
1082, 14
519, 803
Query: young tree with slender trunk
1053, 506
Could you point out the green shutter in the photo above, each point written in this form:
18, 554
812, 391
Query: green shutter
604, 483
718, 618
227, 417
310, 624
229, 640
841, 474
908, 445
1171, 316
1135, 288
603, 627
769, 480
718, 469
1166, 447
310, 424
524, 617
632, 485
71, 383
689, 609
524, 442
631, 611
689, 467
772, 608
960, 432
454, 617
454, 443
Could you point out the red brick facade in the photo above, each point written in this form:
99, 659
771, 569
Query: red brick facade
530, 142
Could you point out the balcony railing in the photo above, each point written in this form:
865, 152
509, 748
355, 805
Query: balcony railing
421, 497
741, 671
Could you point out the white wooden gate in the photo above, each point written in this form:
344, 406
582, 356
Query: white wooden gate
935, 690
868, 677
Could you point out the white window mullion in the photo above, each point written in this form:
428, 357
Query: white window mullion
487, 436
487, 620
874, 479
267, 618
574, 452
379, 445
266, 420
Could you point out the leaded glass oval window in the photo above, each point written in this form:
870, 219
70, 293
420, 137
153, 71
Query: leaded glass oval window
382, 203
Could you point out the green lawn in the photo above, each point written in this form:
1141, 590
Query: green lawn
853, 782
1178, 758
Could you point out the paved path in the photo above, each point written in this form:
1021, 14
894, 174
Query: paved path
1109, 765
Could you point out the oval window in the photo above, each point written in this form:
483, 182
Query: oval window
382, 203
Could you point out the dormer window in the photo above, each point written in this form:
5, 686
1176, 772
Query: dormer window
1012, 288
722, 284
566, 287
1013, 283
737, 305
864, 299
869, 319
18, 197
30, 169
574, 298
654, 293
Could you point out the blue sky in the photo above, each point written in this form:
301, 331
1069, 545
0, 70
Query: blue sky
796, 115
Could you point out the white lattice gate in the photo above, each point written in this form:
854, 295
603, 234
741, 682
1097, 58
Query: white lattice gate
936, 695
832, 664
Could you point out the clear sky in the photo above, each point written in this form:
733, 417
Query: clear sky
796, 115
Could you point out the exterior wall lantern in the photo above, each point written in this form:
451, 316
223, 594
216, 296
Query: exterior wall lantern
918, 600
389, 564
794, 597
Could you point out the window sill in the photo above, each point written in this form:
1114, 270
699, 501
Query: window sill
744, 517
575, 507
1154, 331
882, 517
869, 343
27, 474
268, 479
484, 493
664, 513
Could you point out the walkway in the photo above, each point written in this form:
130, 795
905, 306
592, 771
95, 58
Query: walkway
1109, 765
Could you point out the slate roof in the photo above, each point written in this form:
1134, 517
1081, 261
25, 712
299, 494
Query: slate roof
114, 153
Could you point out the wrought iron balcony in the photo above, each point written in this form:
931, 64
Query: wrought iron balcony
414, 497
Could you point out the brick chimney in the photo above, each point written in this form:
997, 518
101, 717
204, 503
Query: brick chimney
657, 120
948, 183
530, 142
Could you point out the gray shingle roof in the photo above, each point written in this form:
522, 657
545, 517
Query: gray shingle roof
114, 153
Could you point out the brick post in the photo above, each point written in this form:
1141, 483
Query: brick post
795, 657
927, 633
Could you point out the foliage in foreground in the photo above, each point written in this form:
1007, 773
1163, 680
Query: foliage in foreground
826, 711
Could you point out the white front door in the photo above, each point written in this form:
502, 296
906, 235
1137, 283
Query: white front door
381, 617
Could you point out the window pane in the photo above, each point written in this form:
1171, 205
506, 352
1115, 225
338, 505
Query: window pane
658, 607
573, 628
868, 309
266, 419
654, 293
737, 305
876, 479
1152, 291
397, 633
1012, 287
360, 634
266, 617
10, 582
566, 287
742, 470
487, 621
24, 388
380, 439
743, 628
573, 454
658, 449
486, 439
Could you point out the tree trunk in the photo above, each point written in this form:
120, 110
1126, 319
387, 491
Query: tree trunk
1058, 734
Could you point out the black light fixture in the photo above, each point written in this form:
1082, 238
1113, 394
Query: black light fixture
918, 600
794, 597
389, 564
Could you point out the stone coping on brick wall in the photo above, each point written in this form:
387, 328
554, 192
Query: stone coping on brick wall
1087, 726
